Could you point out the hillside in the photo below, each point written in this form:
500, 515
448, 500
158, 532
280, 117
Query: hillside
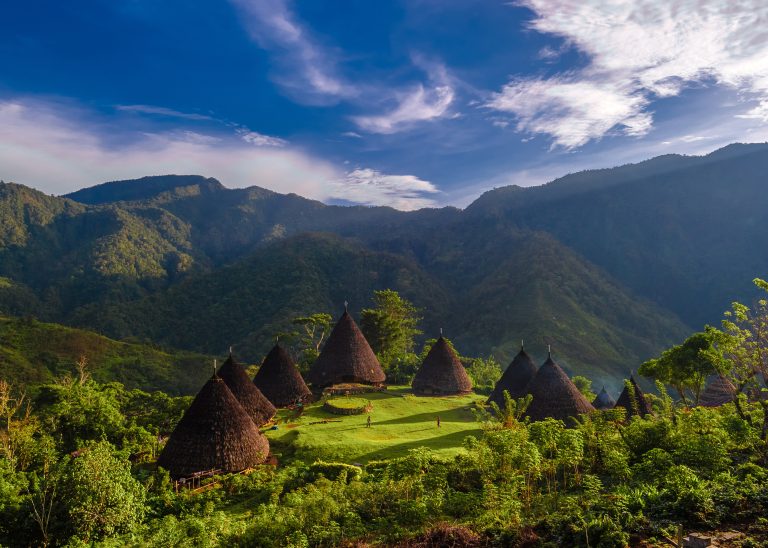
577, 262
594, 325
35, 352
689, 233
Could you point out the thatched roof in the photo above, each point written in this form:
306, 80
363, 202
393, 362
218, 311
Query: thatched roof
346, 357
625, 401
718, 391
515, 379
258, 407
279, 379
441, 373
604, 400
215, 433
554, 394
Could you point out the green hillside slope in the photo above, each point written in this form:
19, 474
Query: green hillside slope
35, 352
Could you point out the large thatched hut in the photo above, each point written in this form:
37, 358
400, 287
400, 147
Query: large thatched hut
279, 379
441, 374
215, 433
515, 379
346, 357
604, 400
554, 394
717, 392
625, 400
258, 407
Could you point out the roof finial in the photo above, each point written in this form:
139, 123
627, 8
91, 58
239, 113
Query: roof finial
214, 367
441, 331
346, 306
549, 350
522, 344
277, 339
230, 351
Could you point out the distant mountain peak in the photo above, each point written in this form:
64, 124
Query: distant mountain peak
143, 188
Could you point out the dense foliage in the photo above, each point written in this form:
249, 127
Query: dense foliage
74, 471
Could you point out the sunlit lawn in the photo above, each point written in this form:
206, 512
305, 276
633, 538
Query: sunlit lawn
399, 421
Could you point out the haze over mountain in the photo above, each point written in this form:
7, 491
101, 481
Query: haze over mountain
609, 266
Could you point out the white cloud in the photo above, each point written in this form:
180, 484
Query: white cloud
260, 140
572, 111
59, 149
638, 51
371, 187
418, 104
305, 68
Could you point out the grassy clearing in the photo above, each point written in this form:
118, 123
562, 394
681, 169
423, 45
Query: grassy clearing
399, 421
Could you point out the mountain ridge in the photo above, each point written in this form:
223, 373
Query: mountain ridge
593, 242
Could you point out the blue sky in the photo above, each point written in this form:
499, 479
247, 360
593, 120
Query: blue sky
410, 104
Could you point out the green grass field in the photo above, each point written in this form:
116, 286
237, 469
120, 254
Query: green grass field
399, 421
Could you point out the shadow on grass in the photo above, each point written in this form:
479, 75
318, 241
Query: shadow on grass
459, 414
453, 440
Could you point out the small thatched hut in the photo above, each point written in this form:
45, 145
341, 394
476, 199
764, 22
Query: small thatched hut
604, 400
258, 407
441, 374
625, 400
346, 357
717, 392
554, 394
215, 433
279, 379
515, 379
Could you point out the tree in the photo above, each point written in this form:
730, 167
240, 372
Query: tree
391, 327
684, 367
585, 386
740, 350
101, 495
484, 373
306, 343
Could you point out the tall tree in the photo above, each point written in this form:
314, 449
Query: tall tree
306, 342
391, 327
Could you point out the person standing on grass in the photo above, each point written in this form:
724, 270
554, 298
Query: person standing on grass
369, 422
438, 421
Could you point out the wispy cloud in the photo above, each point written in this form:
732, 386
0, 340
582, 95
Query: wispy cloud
371, 187
573, 110
305, 68
309, 71
162, 111
260, 140
417, 104
638, 52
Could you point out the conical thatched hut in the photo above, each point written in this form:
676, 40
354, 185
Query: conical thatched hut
554, 394
604, 400
625, 401
279, 379
346, 357
258, 407
214, 434
718, 391
441, 374
515, 379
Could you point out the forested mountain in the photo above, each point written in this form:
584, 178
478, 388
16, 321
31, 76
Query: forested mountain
610, 265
